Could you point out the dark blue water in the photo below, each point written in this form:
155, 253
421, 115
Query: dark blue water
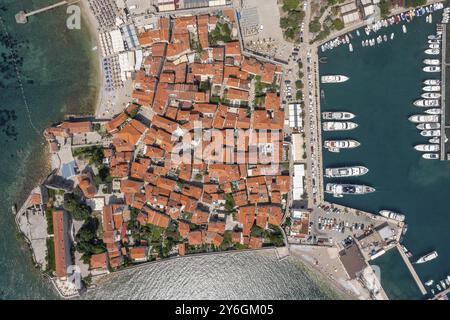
384, 81
58, 72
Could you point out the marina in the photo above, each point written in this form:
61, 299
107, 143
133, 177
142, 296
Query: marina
396, 157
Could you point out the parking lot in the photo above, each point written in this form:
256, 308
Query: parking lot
331, 222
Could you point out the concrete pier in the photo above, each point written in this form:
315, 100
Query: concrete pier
443, 88
22, 16
412, 270
441, 295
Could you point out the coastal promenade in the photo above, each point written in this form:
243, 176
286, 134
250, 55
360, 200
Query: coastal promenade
364, 23
412, 270
443, 86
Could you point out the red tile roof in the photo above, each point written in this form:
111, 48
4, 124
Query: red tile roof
60, 242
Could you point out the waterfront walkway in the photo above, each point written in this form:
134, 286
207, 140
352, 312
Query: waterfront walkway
443, 93
412, 270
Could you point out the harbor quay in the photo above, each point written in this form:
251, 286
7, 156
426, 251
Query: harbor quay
318, 198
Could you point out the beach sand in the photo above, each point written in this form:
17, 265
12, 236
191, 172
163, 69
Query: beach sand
91, 23
325, 261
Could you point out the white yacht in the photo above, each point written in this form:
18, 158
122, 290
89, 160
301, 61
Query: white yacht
433, 46
343, 172
420, 118
426, 103
430, 133
392, 215
431, 95
432, 51
433, 111
432, 88
428, 126
337, 145
430, 156
337, 115
334, 79
428, 257
432, 82
429, 283
339, 190
338, 126
434, 140
432, 69
432, 62
427, 147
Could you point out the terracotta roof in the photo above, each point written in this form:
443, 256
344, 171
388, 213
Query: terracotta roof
87, 187
138, 253
59, 238
130, 186
255, 243
235, 94
213, 238
246, 216
200, 217
77, 127
183, 229
181, 249
99, 261
217, 226
237, 237
112, 125
157, 219
196, 238
192, 191
232, 48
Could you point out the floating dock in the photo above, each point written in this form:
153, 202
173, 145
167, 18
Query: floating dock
22, 16
412, 270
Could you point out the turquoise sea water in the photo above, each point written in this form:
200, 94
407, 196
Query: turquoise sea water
384, 81
58, 72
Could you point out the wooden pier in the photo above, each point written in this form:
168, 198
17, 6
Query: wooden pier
443, 107
22, 16
412, 270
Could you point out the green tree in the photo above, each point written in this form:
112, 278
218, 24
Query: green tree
384, 8
415, 3
86, 239
229, 202
284, 23
78, 210
315, 26
338, 24
290, 5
